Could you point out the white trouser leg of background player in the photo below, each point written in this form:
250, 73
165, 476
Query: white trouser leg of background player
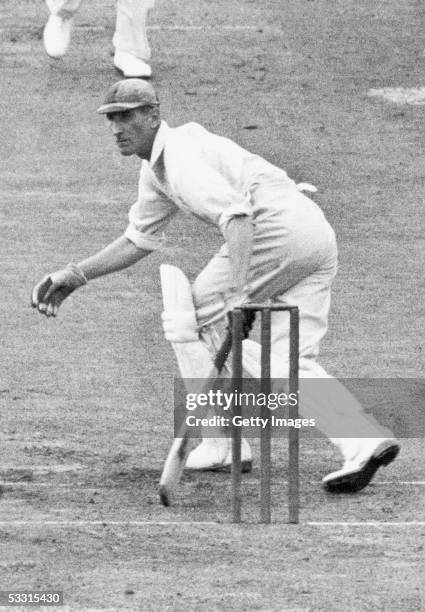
130, 40
130, 32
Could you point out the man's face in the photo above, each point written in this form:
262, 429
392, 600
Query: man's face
135, 130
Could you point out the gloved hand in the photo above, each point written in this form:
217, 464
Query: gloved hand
51, 291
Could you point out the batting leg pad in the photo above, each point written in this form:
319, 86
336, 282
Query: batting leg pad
180, 325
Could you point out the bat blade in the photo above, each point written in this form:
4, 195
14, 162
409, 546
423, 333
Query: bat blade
178, 454
173, 468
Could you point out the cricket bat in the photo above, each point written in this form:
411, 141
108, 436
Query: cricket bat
180, 448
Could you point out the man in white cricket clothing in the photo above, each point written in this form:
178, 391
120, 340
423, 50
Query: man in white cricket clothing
277, 245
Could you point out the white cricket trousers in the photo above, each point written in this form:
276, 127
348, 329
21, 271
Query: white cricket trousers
130, 29
294, 261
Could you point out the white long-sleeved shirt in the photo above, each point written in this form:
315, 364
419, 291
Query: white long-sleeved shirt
198, 172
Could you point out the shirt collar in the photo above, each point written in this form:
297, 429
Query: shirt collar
159, 142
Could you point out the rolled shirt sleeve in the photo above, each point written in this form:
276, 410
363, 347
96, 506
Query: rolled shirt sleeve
149, 216
201, 189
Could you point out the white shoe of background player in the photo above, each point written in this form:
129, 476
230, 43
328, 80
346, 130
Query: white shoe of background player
215, 454
57, 36
359, 471
131, 66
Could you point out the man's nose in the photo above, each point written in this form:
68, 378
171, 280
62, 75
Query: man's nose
115, 127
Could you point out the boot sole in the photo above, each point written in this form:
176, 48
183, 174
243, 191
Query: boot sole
356, 481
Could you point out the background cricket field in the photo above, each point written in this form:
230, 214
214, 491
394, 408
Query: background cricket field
86, 400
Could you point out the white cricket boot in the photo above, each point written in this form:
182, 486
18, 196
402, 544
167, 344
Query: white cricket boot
357, 472
215, 454
131, 66
57, 35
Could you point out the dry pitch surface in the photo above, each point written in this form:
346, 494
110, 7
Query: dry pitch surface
86, 400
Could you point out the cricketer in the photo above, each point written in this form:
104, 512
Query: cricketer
277, 245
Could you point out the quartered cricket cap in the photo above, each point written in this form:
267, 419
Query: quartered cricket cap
127, 94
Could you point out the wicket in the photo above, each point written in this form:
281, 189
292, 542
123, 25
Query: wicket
265, 441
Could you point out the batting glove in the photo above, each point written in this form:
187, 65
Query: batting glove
51, 291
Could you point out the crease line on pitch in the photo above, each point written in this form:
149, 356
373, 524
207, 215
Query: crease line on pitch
365, 523
106, 523
100, 523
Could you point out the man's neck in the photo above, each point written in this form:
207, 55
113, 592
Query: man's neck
148, 153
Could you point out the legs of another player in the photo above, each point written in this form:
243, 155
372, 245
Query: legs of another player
130, 40
57, 33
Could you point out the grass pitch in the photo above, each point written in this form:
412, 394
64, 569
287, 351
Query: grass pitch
86, 400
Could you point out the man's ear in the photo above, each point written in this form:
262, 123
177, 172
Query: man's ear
155, 117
